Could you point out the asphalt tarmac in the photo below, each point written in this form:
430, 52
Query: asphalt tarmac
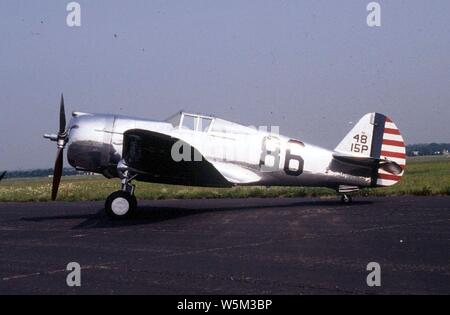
241, 246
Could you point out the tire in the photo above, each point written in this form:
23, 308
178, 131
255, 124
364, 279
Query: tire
120, 205
346, 199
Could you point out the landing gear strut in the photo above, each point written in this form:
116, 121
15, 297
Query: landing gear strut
122, 203
346, 199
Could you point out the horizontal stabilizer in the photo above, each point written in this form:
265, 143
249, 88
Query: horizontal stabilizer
385, 165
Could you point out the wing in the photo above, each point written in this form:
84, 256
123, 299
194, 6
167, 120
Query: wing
149, 155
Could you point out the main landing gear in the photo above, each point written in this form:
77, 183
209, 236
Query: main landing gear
122, 203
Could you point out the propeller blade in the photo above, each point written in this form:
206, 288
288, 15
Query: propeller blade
57, 172
3, 175
62, 116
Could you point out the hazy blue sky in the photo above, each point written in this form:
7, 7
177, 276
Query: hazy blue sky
309, 66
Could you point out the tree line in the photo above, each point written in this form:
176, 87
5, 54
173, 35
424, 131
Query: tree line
39, 173
427, 149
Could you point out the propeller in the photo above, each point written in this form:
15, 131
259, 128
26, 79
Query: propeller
61, 140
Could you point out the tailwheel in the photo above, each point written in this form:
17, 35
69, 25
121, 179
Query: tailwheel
120, 205
346, 199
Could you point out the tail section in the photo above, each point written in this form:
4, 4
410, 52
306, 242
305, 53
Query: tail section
375, 141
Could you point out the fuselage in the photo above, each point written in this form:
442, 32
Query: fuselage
95, 144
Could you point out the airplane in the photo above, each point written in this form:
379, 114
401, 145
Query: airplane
202, 150
2, 175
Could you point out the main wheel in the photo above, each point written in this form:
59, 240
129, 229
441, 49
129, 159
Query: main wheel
346, 199
120, 205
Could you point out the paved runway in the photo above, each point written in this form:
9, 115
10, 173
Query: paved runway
247, 246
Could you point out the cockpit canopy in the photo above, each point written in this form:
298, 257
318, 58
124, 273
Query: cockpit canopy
188, 121
203, 123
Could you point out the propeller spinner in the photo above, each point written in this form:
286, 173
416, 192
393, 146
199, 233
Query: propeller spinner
61, 140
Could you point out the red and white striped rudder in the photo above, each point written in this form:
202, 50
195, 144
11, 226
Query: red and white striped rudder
392, 149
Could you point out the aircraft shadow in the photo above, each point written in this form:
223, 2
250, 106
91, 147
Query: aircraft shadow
147, 214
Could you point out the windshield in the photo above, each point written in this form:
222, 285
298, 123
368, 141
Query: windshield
175, 119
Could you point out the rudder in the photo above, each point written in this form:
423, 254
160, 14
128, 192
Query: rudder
392, 149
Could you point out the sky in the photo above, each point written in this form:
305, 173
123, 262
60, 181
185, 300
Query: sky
310, 67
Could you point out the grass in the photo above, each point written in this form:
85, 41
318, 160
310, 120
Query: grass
423, 176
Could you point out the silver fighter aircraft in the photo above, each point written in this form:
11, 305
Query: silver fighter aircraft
200, 150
